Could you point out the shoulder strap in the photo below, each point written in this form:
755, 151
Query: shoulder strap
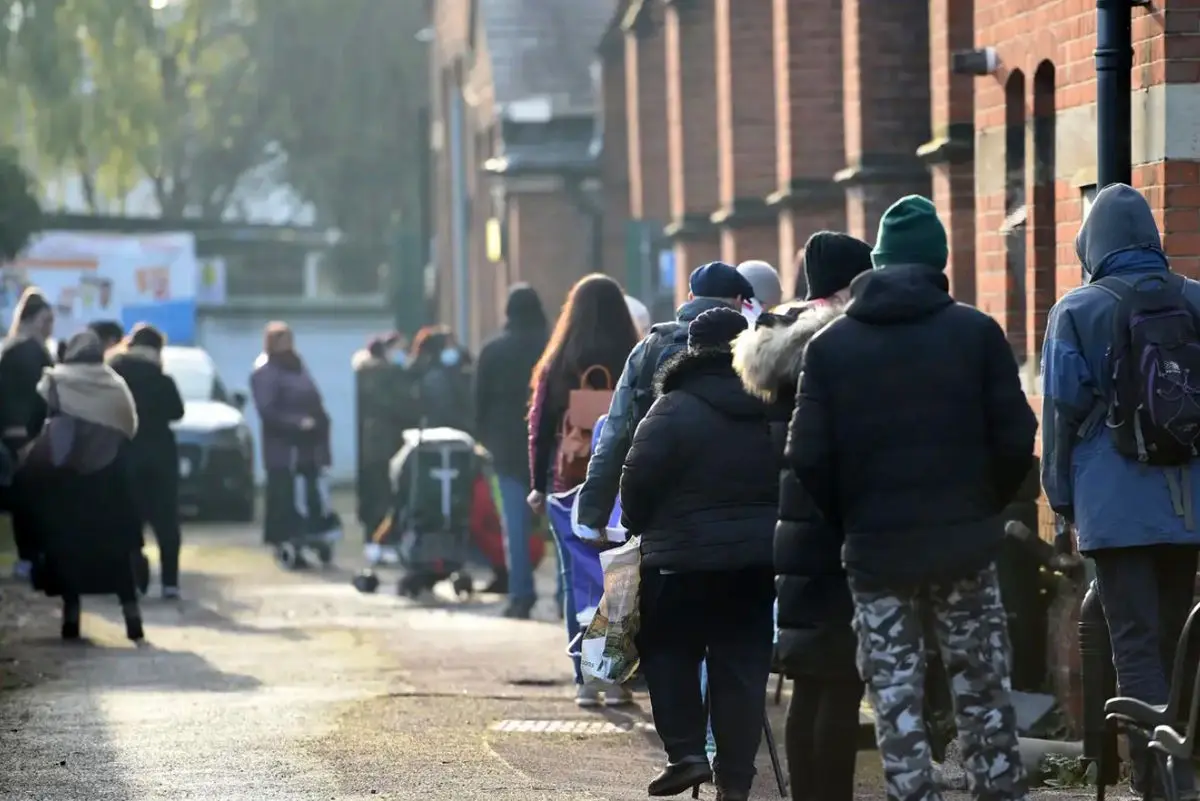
660, 341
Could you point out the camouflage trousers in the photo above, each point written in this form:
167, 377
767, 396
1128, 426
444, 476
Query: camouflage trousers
967, 618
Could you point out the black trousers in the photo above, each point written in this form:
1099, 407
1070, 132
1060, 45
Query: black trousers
726, 617
822, 737
374, 496
157, 490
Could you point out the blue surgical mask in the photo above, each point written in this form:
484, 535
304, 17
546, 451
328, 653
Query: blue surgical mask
399, 357
450, 357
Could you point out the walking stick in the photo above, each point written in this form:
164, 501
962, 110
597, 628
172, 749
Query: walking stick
780, 779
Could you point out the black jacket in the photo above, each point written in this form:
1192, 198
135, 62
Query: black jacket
911, 431
158, 405
700, 482
815, 637
502, 380
21, 407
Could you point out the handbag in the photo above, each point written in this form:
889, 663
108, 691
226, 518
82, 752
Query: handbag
585, 407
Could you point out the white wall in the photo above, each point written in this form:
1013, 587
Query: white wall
325, 339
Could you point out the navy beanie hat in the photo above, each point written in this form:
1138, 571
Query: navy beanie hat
719, 280
715, 328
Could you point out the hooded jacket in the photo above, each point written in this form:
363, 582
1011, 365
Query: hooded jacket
814, 600
701, 482
502, 379
599, 490
1114, 501
911, 431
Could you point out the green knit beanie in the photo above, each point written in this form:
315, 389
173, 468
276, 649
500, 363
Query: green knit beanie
911, 233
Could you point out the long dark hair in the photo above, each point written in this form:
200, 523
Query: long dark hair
594, 329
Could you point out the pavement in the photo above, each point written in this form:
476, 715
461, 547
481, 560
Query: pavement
264, 685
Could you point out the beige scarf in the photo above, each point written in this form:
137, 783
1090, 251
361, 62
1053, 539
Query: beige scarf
91, 392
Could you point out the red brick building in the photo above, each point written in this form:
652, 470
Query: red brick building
735, 136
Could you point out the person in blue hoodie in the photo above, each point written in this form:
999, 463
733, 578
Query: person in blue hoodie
1124, 514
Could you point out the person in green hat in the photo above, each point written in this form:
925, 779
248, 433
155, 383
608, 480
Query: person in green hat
911, 434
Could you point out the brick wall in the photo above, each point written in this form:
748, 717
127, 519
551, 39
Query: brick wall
746, 141
948, 153
886, 85
614, 164
646, 100
689, 39
546, 231
1046, 51
809, 136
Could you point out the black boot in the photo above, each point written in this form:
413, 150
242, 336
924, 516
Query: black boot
725, 794
678, 778
133, 621
520, 609
70, 620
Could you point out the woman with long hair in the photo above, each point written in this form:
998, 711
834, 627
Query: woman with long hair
440, 370
23, 358
594, 330
295, 430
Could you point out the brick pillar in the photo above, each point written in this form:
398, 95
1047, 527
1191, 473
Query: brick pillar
886, 100
614, 158
949, 153
745, 65
689, 37
646, 89
810, 140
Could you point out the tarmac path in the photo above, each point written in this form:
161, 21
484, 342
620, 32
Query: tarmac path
269, 686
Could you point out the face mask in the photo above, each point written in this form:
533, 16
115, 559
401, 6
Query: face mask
449, 357
399, 357
750, 310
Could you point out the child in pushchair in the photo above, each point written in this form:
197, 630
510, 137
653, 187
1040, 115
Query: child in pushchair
428, 532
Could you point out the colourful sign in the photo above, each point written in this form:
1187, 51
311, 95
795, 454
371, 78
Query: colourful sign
98, 276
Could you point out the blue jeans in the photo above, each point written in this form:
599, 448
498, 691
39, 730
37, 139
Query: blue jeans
517, 519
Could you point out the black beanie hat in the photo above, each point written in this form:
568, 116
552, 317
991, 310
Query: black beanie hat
832, 261
715, 328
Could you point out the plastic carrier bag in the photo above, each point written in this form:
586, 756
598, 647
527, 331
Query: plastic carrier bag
607, 651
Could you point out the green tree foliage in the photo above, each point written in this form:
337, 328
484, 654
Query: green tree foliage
351, 80
126, 90
19, 211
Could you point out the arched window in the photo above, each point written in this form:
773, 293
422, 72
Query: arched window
1015, 305
1044, 235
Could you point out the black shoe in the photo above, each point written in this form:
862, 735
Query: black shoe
70, 629
133, 629
732, 795
519, 610
678, 778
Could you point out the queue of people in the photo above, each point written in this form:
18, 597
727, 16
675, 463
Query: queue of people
90, 423
849, 455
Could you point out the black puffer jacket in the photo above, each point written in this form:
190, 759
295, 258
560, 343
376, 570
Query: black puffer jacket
911, 430
700, 482
814, 599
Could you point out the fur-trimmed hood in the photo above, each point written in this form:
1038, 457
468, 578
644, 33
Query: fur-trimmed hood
708, 374
767, 358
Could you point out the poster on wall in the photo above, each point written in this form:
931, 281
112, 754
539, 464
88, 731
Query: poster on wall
97, 276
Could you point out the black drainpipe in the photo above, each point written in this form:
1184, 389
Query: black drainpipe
1114, 62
